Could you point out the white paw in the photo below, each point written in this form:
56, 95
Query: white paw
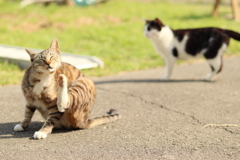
39, 135
165, 77
60, 107
208, 77
18, 128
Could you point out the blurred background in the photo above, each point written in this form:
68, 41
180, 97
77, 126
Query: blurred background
111, 30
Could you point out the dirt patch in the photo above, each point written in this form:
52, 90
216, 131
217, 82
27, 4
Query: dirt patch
31, 27
83, 21
34, 22
7, 16
30, 23
114, 20
42, 24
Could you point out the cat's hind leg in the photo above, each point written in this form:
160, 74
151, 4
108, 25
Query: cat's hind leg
214, 55
62, 100
216, 65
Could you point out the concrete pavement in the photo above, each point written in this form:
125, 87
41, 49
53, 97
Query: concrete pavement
160, 119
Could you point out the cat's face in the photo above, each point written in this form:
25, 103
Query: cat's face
153, 27
48, 60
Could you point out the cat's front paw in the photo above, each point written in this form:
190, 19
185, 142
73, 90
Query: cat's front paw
18, 128
39, 135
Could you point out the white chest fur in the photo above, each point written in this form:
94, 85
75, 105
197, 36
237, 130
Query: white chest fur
42, 108
164, 41
45, 79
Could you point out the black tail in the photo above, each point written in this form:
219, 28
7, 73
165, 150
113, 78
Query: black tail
232, 34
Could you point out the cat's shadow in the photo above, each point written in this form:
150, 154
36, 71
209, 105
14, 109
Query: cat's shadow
152, 81
6, 130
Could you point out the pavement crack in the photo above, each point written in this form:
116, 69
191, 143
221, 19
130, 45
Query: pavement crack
165, 108
156, 104
229, 131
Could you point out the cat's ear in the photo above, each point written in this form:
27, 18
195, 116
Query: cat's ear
31, 54
158, 21
55, 46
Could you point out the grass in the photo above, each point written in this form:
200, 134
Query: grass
10, 73
112, 31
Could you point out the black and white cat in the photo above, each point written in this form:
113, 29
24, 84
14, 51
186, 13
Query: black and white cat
210, 43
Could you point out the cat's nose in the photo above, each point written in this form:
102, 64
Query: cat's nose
48, 61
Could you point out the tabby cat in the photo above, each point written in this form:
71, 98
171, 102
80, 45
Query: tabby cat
60, 92
210, 43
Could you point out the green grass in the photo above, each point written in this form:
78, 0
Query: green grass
112, 31
10, 73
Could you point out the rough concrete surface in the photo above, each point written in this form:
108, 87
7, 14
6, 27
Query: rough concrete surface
160, 119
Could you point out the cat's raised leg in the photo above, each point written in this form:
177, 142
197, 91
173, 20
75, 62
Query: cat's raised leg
29, 111
63, 99
169, 68
216, 65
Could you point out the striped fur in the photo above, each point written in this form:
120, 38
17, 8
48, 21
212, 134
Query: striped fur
60, 92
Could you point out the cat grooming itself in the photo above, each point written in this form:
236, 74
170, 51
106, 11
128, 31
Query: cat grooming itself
60, 92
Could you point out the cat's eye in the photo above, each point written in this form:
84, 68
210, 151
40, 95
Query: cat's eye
148, 28
44, 61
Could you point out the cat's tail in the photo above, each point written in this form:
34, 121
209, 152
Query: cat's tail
232, 34
111, 117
